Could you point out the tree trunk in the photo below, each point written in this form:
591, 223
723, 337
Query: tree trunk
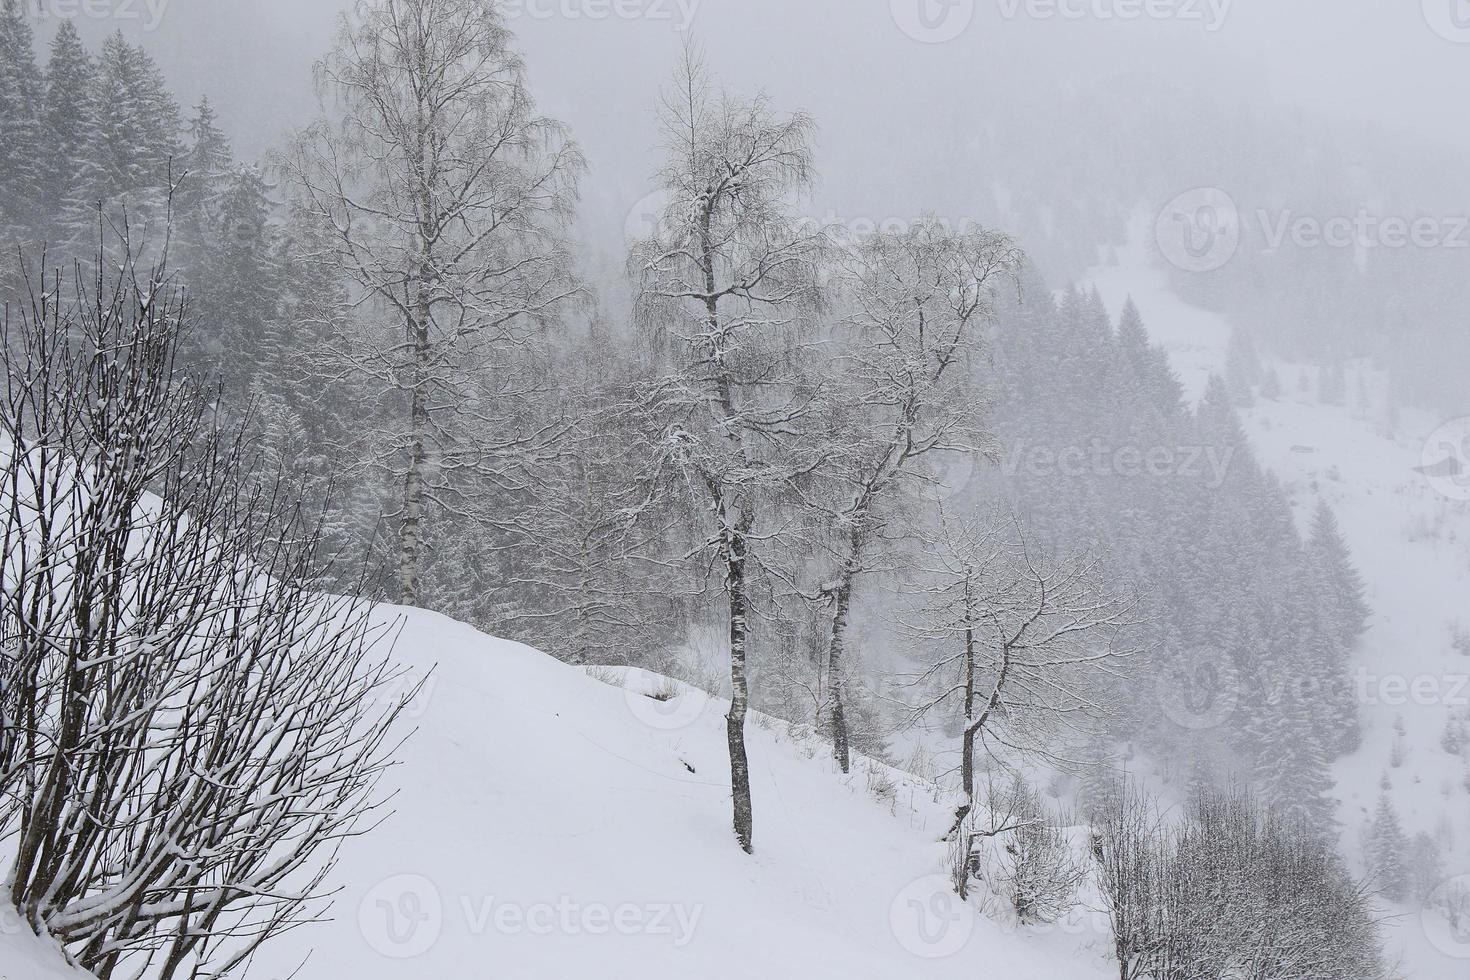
739, 694
411, 529
836, 714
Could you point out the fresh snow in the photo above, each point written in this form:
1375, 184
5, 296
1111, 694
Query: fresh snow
1412, 545
552, 822
25, 956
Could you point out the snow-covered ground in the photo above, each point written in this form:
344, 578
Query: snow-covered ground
23, 956
552, 823
1412, 544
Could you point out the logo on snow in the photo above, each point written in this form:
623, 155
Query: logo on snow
645, 219
932, 21
1199, 231
929, 920
667, 709
1450, 19
401, 917
1446, 918
1447, 460
1198, 692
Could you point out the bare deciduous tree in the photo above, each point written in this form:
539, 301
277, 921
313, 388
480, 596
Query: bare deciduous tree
724, 284
1020, 642
915, 301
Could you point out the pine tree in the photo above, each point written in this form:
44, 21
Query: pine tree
1242, 368
207, 171
139, 125
20, 127
1334, 573
1387, 851
74, 182
1452, 740
1271, 385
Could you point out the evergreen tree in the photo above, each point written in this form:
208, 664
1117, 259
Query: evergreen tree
74, 182
1343, 593
207, 172
1271, 385
1242, 368
20, 127
139, 124
1387, 851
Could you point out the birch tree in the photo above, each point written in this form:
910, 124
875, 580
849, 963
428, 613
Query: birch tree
916, 300
726, 284
447, 195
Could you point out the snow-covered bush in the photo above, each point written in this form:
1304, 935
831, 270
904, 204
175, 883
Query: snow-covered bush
187, 730
1030, 865
1232, 889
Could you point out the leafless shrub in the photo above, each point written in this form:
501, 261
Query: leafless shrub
187, 731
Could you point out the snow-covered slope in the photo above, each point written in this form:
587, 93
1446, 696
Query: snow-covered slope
551, 824
1412, 544
25, 957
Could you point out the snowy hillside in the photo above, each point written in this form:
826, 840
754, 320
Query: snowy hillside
1411, 542
551, 824
25, 957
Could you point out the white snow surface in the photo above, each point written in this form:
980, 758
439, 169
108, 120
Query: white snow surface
1411, 543
25, 956
552, 822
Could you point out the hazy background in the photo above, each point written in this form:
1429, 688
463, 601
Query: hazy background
897, 115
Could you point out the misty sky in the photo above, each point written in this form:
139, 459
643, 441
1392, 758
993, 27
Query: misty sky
894, 112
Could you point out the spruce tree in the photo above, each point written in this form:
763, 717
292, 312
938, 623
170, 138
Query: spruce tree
20, 128
1343, 593
139, 125
1387, 851
1242, 368
74, 182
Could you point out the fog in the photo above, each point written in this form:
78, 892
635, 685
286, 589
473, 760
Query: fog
1039, 428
